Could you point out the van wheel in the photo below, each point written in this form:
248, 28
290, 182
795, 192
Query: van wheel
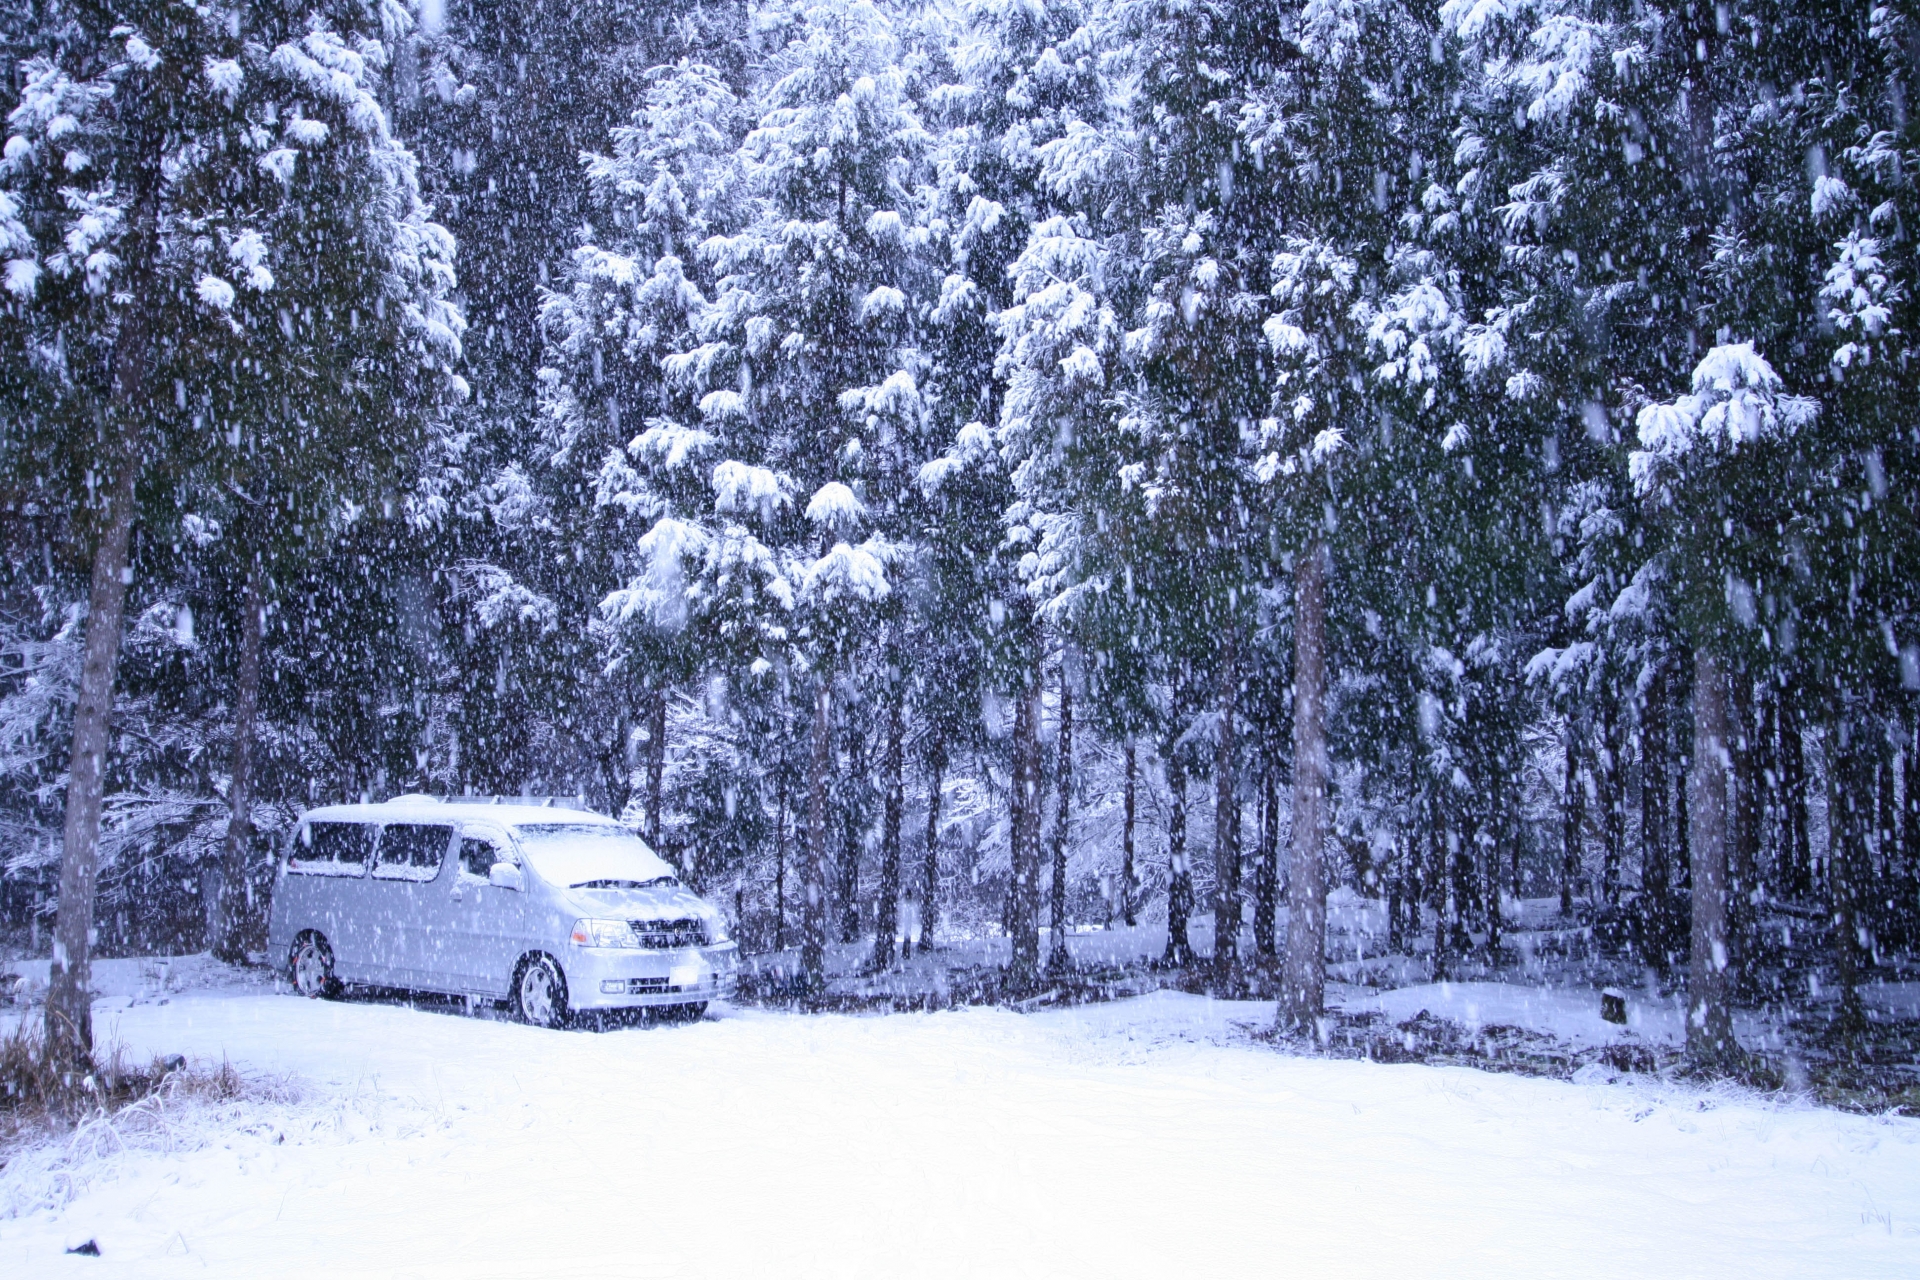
310, 964
540, 993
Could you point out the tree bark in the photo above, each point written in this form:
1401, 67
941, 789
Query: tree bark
1440, 877
813, 866
1656, 887
656, 763
1798, 844
1179, 952
930, 870
69, 1011
1023, 889
1266, 872
887, 911
1058, 959
1743, 822
780, 865
1613, 799
1226, 831
1304, 979
1129, 881
236, 884
1849, 816
1573, 818
1710, 1041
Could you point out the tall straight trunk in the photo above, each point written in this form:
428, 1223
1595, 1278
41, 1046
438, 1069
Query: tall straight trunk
656, 762
1613, 808
1849, 823
1797, 846
1129, 881
1266, 873
1226, 830
813, 865
780, 864
851, 839
1023, 890
69, 1013
887, 911
1179, 950
1439, 843
1656, 875
1891, 901
1573, 819
1058, 958
1710, 1042
930, 870
1304, 977
236, 885
1489, 845
1403, 898
1908, 884
1743, 821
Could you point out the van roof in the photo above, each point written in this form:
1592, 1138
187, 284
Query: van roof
491, 809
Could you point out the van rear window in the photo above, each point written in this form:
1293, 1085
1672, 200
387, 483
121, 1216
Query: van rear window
412, 851
333, 848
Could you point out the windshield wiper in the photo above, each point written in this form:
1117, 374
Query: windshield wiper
669, 881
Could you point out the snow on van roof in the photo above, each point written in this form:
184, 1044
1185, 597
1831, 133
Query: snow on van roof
505, 810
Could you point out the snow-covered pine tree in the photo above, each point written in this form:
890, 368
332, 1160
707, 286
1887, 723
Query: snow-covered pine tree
154, 180
1360, 321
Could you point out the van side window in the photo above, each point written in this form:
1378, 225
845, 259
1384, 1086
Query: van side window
412, 851
477, 856
333, 848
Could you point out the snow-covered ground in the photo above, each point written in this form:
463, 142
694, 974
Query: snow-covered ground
1147, 1137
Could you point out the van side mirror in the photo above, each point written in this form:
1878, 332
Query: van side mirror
505, 875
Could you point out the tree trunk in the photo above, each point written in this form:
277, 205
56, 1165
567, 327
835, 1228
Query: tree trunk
1743, 822
1797, 848
1179, 952
69, 1012
1226, 831
1613, 799
1849, 815
1266, 872
1573, 817
236, 884
850, 851
813, 866
656, 763
1656, 887
1710, 1041
887, 911
1909, 882
1059, 959
930, 871
1129, 882
1489, 844
780, 865
1304, 980
1023, 889
1440, 881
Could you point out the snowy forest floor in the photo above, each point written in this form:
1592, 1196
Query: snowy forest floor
1147, 1136
1536, 1012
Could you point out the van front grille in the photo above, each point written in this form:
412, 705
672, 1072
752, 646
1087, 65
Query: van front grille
667, 935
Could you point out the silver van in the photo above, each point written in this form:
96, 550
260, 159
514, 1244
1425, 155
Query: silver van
555, 910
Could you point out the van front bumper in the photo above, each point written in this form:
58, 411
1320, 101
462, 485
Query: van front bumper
632, 978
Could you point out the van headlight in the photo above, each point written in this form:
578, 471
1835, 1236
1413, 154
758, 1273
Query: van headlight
603, 933
717, 930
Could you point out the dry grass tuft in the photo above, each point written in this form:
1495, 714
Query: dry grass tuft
38, 1102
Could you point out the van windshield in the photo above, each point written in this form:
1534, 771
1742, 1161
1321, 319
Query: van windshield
591, 855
